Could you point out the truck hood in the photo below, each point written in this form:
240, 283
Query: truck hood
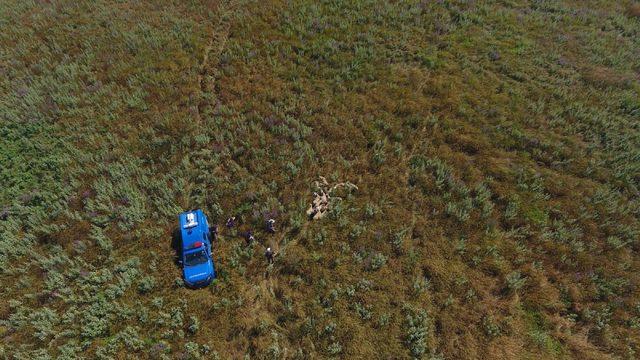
197, 273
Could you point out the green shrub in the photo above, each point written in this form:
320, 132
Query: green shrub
177, 318
99, 238
356, 231
44, 322
274, 351
383, 320
398, 239
129, 337
491, 329
420, 285
194, 324
69, 350
192, 349
370, 210
363, 311
96, 319
334, 349
515, 281
377, 261
146, 284
417, 329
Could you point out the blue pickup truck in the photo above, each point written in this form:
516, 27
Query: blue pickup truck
195, 256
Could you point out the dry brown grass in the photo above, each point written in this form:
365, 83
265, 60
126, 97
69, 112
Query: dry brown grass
633, 10
605, 77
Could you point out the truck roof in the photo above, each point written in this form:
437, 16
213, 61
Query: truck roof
193, 227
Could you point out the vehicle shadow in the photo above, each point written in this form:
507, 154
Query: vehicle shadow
176, 245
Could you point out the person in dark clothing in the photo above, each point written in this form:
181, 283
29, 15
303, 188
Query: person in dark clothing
248, 236
231, 222
270, 225
269, 255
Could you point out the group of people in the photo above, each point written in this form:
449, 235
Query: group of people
248, 236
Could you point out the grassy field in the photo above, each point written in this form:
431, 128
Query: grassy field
495, 146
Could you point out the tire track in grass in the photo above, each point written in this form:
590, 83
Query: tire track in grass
213, 49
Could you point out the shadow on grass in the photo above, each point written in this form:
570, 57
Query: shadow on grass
176, 245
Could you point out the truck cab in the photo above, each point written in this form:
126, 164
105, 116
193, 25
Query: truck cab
197, 263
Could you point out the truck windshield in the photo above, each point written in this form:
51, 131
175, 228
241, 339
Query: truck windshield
195, 258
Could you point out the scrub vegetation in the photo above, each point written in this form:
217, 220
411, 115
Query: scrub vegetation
495, 146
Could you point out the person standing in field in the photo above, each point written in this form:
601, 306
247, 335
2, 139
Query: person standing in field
269, 255
248, 236
270, 226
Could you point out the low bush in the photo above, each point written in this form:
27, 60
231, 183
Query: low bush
515, 281
417, 329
